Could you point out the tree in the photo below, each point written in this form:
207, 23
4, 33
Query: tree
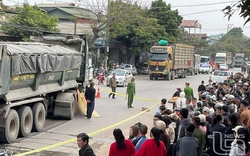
243, 6
102, 10
234, 41
29, 21
166, 17
133, 27
201, 45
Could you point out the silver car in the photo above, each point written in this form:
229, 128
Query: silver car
131, 68
220, 76
123, 77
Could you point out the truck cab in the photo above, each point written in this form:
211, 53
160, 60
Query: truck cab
160, 61
220, 58
204, 60
239, 59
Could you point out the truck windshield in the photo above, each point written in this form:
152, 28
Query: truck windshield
204, 60
159, 57
238, 58
219, 58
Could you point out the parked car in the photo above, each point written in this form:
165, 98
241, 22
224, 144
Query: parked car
219, 76
205, 68
223, 67
131, 68
248, 64
123, 77
142, 69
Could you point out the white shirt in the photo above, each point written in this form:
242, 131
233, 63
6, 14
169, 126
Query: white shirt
181, 103
211, 111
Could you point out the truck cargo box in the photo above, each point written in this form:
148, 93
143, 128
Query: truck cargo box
183, 56
32, 69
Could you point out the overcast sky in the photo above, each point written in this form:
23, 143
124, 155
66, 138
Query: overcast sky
213, 22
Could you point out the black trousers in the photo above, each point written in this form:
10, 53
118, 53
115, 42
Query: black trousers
113, 89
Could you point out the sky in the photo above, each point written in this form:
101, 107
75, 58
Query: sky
213, 21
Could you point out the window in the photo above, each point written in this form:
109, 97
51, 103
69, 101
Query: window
127, 66
220, 73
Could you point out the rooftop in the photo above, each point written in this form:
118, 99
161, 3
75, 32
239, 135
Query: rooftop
78, 12
190, 24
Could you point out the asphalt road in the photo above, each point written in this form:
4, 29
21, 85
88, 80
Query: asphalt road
113, 114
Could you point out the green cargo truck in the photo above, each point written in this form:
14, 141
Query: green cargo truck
36, 79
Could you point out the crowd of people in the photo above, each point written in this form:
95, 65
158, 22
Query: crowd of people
215, 123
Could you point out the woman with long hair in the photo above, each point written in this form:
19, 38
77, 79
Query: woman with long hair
134, 134
153, 146
217, 132
121, 147
232, 120
164, 137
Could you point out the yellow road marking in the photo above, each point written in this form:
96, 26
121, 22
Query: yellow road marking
90, 134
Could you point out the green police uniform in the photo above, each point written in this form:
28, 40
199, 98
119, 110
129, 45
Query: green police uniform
189, 92
130, 93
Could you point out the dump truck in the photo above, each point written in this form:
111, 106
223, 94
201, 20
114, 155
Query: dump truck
168, 61
36, 80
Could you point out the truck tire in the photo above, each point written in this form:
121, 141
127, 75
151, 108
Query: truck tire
151, 77
25, 120
11, 129
39, 116
74, 105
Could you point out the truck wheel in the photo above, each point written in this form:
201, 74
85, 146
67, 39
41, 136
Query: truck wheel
151, 77
11, 129
72, 109
26, 120
39, 115
156, 77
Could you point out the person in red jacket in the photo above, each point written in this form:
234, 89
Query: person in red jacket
121, 147
153, 146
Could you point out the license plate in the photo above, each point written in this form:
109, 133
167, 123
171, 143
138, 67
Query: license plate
157, 68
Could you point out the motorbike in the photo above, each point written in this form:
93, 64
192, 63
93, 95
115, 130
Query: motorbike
100, 78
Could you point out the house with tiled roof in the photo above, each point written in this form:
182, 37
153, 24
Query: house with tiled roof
191, 24
72, 19
194, 25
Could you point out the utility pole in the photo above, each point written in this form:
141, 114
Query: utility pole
107, 36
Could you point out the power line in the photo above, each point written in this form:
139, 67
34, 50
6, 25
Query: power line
202, 12
177, 6
197, 5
